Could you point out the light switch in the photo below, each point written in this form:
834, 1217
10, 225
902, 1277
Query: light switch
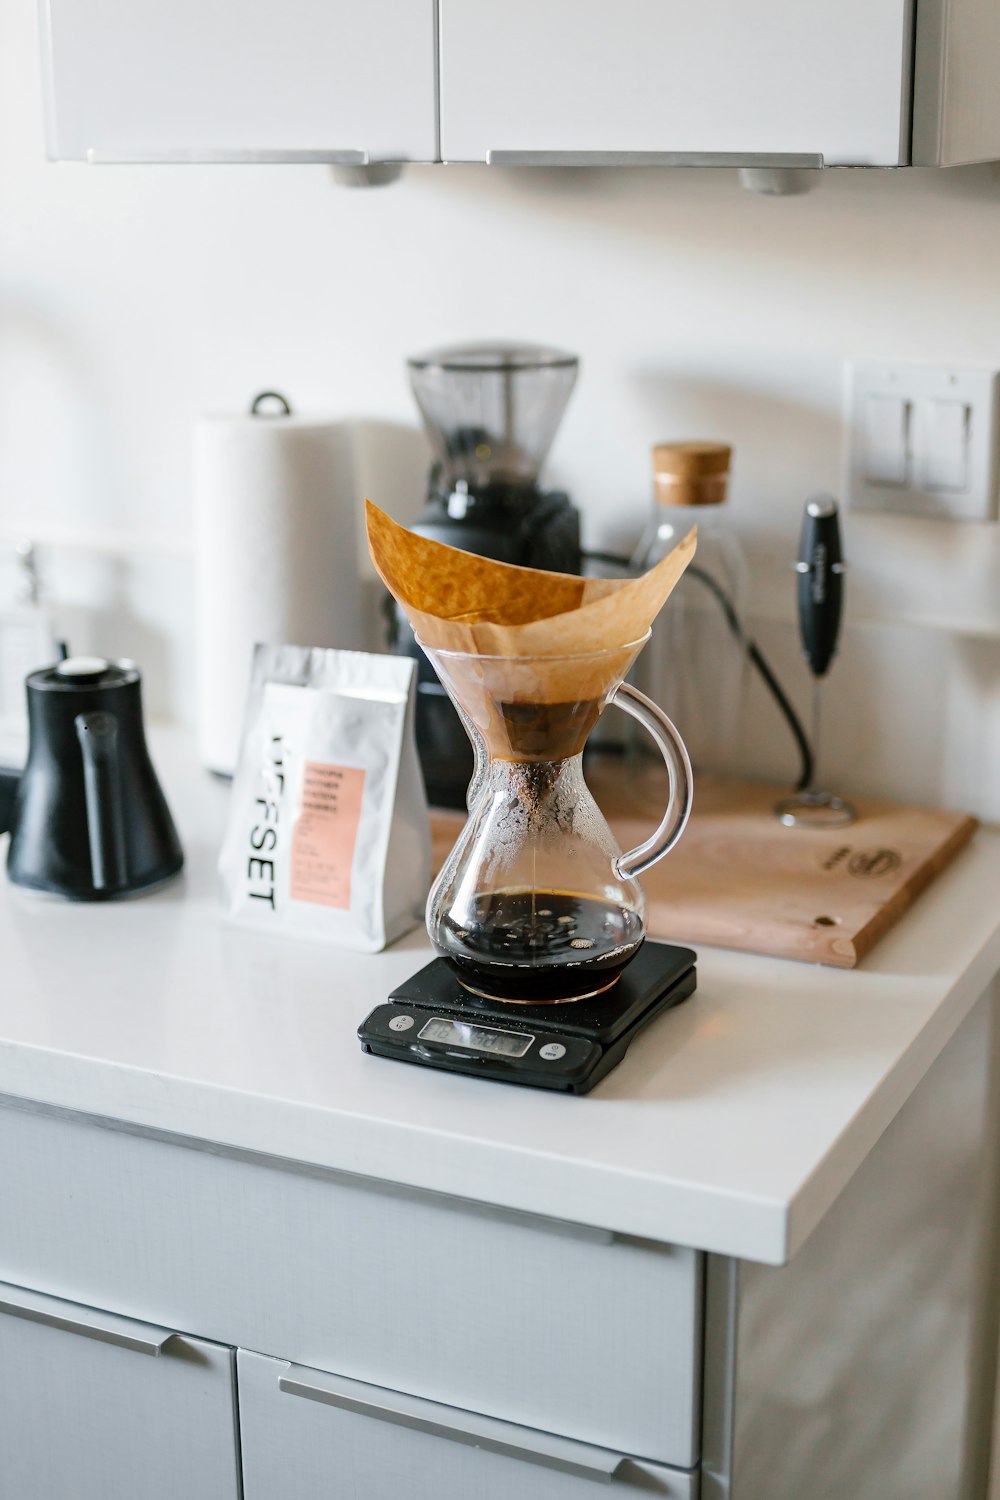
923, 440
946, 445
886, 439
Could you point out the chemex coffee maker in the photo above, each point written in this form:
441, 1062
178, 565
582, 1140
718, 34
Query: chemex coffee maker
491, 412
545, 974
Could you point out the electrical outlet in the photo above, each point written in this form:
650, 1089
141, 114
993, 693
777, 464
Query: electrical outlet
922, 440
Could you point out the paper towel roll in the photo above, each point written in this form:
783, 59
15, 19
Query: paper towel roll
276, 548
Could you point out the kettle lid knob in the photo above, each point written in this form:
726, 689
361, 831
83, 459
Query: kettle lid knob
86, 674
82, 668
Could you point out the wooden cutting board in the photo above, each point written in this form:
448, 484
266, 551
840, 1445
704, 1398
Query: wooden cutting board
739, 879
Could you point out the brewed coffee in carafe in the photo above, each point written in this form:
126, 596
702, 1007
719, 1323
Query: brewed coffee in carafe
536, 902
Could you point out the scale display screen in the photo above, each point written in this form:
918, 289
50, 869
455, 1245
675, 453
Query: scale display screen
481, 1038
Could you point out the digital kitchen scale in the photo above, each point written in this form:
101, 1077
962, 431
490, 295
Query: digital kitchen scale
431, 1019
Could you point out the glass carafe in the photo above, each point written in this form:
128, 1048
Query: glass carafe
536, 903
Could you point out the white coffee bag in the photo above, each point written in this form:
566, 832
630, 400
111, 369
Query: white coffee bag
328, 834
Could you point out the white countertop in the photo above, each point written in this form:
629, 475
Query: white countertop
732, 1125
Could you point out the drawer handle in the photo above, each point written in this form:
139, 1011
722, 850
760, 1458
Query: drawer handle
219, 156
455, 1426
773, 160
107, 1328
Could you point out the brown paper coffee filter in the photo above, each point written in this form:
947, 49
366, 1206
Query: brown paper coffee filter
458, 601
449, 585
561, 637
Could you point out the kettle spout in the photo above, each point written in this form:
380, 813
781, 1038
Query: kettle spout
98, 736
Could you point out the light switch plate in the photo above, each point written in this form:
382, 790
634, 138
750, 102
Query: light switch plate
922, 439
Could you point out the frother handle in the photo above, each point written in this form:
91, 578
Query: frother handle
652, 718
821, 584
98, 736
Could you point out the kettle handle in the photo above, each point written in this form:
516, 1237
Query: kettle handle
98, 736
9, 783
671, 747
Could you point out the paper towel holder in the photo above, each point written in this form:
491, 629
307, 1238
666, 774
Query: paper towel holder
255, 405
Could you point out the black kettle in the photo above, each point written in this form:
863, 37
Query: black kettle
89, 820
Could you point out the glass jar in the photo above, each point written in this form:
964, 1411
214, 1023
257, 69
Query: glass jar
696, 662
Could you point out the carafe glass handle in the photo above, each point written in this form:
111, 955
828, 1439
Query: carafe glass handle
638, 860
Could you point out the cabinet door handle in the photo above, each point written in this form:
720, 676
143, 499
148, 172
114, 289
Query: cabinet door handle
774, 160
222, 155
455, 1426
107, 1328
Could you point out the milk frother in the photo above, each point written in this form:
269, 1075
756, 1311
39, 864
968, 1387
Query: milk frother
820, 570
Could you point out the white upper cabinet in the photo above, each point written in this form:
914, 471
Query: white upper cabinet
956, 102
870, 83
176, 80
591, 78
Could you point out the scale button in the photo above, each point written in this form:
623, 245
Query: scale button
552, 1051
401, 1023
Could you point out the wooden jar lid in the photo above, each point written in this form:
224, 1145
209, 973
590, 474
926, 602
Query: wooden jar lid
691, 473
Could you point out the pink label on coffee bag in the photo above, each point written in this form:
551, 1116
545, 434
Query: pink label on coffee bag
326, 833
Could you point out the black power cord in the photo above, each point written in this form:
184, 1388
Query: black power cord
752, 650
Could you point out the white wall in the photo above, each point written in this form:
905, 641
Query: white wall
133, 299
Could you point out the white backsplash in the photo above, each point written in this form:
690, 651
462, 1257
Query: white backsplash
132, 300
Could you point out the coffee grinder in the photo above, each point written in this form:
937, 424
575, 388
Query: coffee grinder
491, 412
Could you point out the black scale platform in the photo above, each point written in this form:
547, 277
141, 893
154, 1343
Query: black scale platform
432, 1020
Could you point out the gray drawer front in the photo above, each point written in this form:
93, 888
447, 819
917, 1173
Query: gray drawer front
577, 1333
307, 1435
96, 1408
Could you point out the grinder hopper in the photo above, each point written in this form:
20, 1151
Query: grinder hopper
491, 411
